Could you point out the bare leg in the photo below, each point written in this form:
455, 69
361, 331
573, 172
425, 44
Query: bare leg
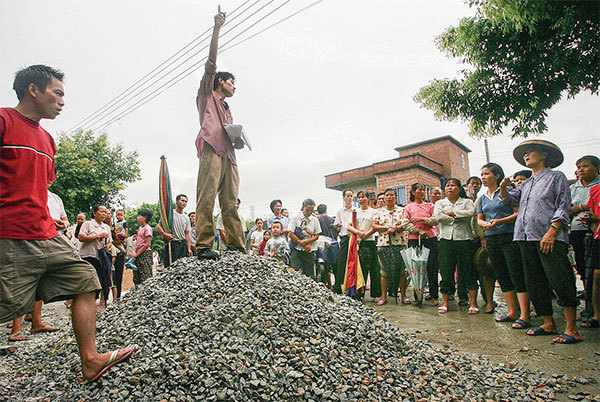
403, 285
84, 325
16, 333
489, 286
548, 324
570, 317
473, 297
512, 304
384, 286
444, 300
36, 319
524, 306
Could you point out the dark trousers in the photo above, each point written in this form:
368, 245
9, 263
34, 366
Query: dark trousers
104, 281
545, 270
304, 262
432, 263
118, 277
367, 254
463, 293
340, 271
178, 250
505, 256
576, 240
457, 254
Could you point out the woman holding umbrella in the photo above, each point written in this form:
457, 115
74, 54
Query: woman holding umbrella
544, 203
393, 237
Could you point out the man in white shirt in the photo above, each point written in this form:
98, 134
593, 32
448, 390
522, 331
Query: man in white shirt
342, 219
179, 240
304, 229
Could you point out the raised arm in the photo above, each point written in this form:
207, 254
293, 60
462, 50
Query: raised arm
214, 42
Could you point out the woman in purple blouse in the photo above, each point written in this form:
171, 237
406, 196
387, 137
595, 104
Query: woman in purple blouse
544, 203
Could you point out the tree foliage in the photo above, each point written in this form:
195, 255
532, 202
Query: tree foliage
525, 55
158, 243
90, 171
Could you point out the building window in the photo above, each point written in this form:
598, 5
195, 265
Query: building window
400, 194
462, 159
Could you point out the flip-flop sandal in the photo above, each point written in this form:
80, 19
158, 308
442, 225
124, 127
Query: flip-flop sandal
539, 331
473, 310
567, 339
16, 337
504, 318
442, 309
591, 323
114, 361
522, 324
406, 301
489, 310
382, 302
45, 328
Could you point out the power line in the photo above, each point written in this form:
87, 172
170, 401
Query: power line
187, 72
145, 77
134, 95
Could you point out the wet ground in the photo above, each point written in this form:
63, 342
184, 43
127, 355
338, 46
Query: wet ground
479, 333
576, 368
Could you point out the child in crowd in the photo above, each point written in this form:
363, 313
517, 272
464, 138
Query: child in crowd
143, 254
263, 244
277, 246
256, 238
121, 227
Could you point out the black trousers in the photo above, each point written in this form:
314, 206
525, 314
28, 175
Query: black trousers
367, 254
340, 270
545, 270
505, 256
178, 250
118, 277
303, 261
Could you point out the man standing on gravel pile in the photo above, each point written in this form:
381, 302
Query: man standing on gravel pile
218, 171
35, 261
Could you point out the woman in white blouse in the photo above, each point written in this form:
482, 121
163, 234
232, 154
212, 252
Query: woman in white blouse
454, 214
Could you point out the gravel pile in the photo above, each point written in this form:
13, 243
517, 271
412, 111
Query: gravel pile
248, 328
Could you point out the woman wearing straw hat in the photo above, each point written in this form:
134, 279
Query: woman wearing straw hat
544, 203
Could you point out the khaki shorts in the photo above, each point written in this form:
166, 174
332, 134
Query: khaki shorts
48, 270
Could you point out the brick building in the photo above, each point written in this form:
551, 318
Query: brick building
428, 162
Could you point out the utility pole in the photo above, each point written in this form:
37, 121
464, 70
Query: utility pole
487, 151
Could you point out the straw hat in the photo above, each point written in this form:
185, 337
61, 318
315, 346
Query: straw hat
555, 156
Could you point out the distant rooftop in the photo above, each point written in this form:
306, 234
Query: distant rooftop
437, 139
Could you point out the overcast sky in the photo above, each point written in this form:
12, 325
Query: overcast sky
328, 90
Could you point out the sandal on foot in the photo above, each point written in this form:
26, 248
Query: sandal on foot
16, 337
473, 310
406, 301
591, 323
381, 302
566, 339
442, 309
521, 324
504, 318
539, 331
114, 361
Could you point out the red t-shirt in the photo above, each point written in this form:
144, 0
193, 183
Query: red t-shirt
594, 204
26, 170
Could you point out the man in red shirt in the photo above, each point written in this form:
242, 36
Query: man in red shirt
218, 172
35, 262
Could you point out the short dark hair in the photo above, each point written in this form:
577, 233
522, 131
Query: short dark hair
344, 192
363, 193
258, 219
120, 209
179, 196
496, 170
276, 223
272, 204
96, 208
413, 188
321, 208
146, 213
473, 178
461, 189
591, 159
524, 173
39, 75
379, 195
192, 213
307, 202
224, 75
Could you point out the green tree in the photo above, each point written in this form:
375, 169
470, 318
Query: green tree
526, 55
90, 171
158, 243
